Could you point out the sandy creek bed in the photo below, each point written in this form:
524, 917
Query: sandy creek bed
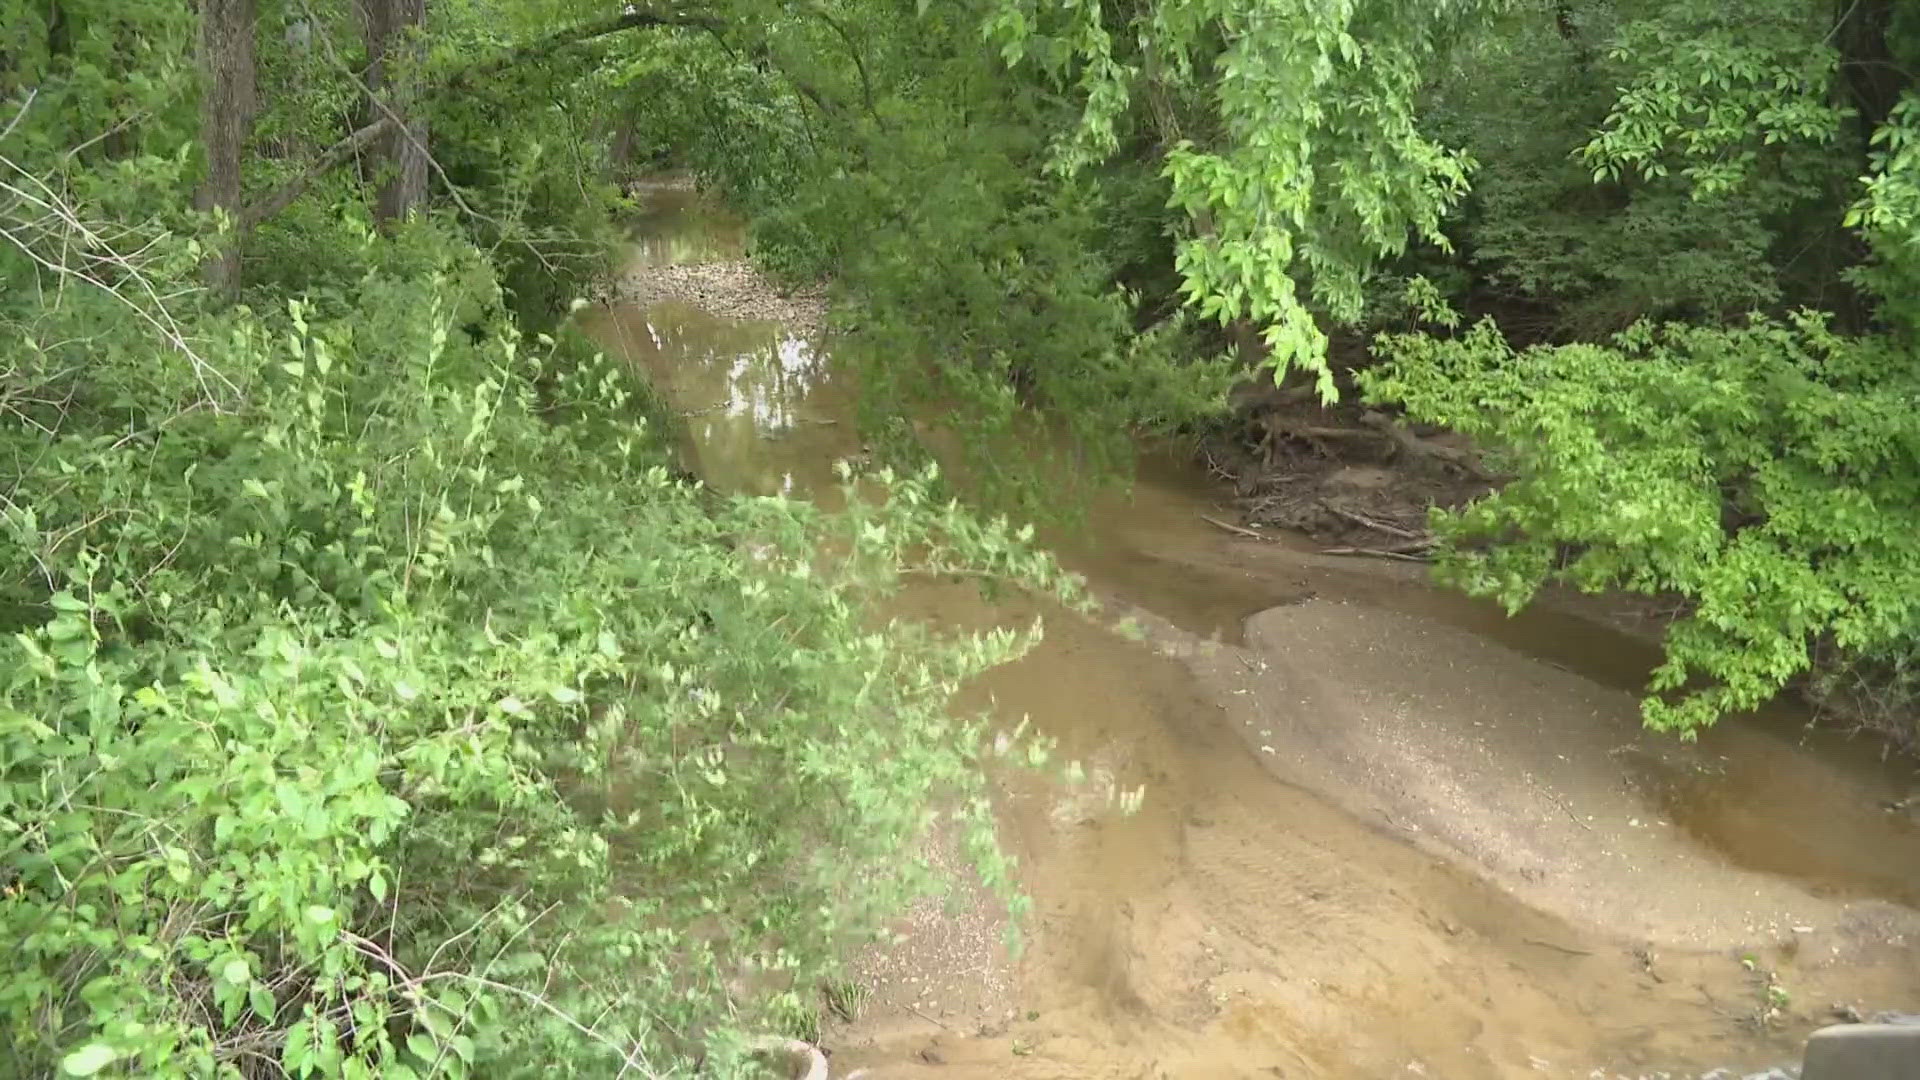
1386, 832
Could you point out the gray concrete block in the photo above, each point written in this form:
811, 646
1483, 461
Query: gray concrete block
1863, 1052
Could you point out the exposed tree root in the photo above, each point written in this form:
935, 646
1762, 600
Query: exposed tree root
1414, 446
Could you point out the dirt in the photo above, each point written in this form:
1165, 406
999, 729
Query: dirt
1383, 831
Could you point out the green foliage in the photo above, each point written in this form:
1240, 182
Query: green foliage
1754, 468
1596, 253
1888, 217
95, 101
1308, 163
861, 138
377, 702
1720, 94
1761, 473
324, 744
847, 998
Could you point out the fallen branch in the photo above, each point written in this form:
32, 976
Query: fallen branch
927, 1018
1563, 805
1378, 526
1314, 431
1376, 553
1234, 528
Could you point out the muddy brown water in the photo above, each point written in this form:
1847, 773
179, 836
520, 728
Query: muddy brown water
1351, 858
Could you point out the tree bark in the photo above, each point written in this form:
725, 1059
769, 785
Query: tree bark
227, 103
394, 35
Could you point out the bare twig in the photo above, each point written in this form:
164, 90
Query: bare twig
1234, 528
925, 1017
19, 113
52, 232
405, 980
1563, 805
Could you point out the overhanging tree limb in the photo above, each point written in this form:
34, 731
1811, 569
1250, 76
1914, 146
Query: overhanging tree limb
335, 156
344, 150
574, 35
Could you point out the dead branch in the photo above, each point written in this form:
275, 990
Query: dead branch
1558, 948
56, 235
1312, 431
1234, 528
1378, 526
335, 156
574, 35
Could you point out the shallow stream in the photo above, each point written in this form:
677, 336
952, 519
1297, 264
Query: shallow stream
1388, 831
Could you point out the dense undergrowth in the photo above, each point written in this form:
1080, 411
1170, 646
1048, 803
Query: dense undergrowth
378, 700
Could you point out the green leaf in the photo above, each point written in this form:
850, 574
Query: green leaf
236, 971
423, 1047
89, 1059
297, 1050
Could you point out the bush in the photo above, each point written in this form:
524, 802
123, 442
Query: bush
1761, 472
403, 715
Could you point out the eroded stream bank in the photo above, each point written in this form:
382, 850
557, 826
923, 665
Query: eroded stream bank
1386, 831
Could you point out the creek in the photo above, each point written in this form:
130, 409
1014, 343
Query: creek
1386, 830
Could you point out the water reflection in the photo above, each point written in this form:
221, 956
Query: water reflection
677, 225
761, 410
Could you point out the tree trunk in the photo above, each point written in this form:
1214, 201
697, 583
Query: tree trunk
227, 102
1873, 76
395, 47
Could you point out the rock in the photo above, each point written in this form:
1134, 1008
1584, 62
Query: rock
1863, 1052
